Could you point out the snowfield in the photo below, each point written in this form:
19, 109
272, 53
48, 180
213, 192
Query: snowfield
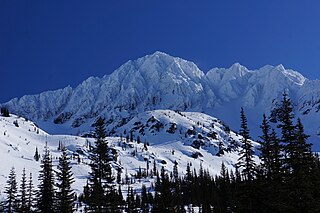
19, 139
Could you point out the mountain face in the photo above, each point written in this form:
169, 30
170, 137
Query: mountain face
160, 81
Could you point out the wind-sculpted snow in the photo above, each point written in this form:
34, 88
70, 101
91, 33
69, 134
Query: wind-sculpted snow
160, 81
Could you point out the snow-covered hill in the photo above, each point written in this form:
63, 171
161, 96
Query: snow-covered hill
165, 136
160, 81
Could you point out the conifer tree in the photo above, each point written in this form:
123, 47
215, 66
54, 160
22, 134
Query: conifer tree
5, 112
303, 154
163, 194
100, 177
273, 187
30, 195
245, 160
23, 206
246, 192
144, 199
130, 200
288, 138
154, 167
65, 195
11, 191
300, 180
119, 175
36, 155
276, 156
175, 171
265, 148
46, 193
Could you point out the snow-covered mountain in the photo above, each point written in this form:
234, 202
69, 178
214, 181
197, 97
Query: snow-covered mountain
165, 137
160, 81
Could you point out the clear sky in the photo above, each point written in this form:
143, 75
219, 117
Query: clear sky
47, 45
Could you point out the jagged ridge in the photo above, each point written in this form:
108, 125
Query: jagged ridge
160, 81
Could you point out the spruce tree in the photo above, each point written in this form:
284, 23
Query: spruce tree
288, 138
36, 155
276, 156
274, 186
5, 112
265, 147
65, 195
300, 180
30, 195
302, 155
175, 171
46, 193
163, 193
23, 206
246, 190
100, 177
11, 191
144, 199
245, 160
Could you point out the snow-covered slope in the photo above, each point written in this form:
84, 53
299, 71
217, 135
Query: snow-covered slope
160, 81
165, 137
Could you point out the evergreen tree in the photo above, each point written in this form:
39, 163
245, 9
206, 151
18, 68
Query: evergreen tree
5, 112
246, 191
223, 190
120, 202
65, 195
130, 200
23, 207
276, 156
46, 193
273, 187
36, 155
144, 199
302, 155
100, 177
175, 171
299, 182
288, 138
11, 191
245, 160
30, 195
119, 175
163, 194
154, 167
265, 148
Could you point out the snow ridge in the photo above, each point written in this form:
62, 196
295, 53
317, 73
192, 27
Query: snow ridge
160, 81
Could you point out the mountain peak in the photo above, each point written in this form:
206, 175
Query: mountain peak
161, 81
157, 55
162, 64
237, 70
279, 68
294, 76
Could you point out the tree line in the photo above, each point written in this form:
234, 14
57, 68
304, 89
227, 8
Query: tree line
53, 194
286, 180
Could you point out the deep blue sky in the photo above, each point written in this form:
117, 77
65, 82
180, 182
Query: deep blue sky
46, 45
